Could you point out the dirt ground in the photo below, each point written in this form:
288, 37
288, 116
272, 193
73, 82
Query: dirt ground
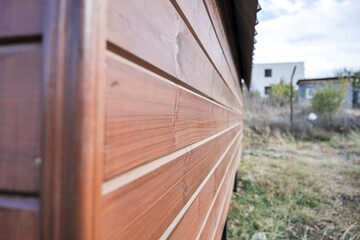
292, 189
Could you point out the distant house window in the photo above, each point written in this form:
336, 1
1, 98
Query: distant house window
267, 90
309, 93
268, 72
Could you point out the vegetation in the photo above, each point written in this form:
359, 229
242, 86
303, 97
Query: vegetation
269, 120
300, 181
329, 99
288, 191
341, 73
280, 93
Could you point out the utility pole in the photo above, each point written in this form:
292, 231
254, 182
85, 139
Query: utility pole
291, 98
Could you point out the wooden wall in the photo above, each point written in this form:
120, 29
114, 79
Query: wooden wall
20, 117
173, 121
119, 119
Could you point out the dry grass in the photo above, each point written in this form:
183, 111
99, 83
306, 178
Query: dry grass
272, 120
299, 190
301, 182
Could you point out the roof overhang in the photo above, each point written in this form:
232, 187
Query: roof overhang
329, 79
239, 18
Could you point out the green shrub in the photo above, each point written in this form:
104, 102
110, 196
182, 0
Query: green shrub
280, 93
328, 99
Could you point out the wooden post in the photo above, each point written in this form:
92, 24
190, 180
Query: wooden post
291, 98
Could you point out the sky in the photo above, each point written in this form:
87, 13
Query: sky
325, 34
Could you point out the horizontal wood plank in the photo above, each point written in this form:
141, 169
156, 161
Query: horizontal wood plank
190, 224
148, 117
159, 36
21, 17
218, 208
20, 118
213, 12
19, 218
196, 14
215, 221
224, 214
144, 208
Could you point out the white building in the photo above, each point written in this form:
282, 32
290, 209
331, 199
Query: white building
263, 75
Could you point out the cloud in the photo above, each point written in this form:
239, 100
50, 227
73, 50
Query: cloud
323, 33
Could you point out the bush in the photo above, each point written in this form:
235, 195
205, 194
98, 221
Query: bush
328, 99
280, 93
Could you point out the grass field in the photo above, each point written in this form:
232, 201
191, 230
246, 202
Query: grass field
298, 190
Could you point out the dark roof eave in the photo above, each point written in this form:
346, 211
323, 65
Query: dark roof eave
321, 79
239, 18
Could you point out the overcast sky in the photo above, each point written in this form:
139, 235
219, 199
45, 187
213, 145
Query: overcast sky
325, 34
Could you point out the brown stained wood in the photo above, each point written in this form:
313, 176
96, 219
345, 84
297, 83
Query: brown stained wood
20, 118
190, 224
224, 214
21, 17
148, 117
219, 206
154, 32
144, 208
218, 214
139, 117
19, 218
196, 14
215, 17
74, 85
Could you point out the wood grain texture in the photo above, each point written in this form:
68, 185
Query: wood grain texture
20, 118
215, 17
160, 37
214, 224
218, 208
19, 218
144, 208
148, 117
191, 222
196, 15
21, 17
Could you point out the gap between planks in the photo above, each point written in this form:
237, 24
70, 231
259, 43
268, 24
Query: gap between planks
139, 67
171, 227
124, 179
20, 40
132, 60
215, 198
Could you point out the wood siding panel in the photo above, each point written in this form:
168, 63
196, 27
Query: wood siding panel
215, 222
19, 218
219, 207
215, 17
21, 17
144, 208
154, 32
148, 117
197, 16
190, 224
20, 118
